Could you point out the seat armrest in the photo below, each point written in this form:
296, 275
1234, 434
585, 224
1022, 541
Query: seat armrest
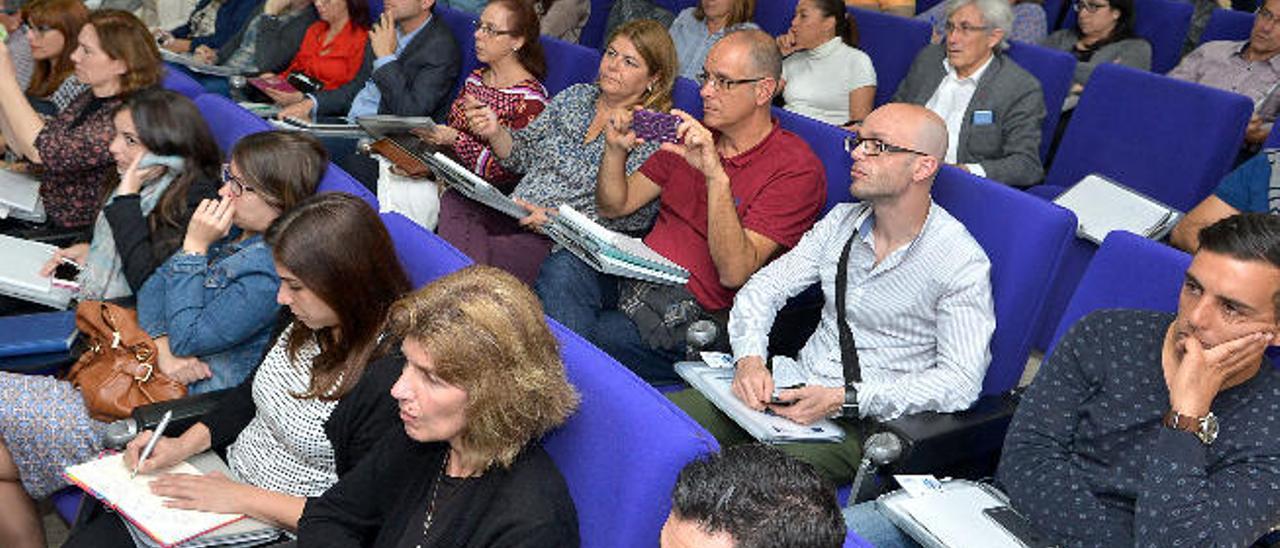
951, 443
186, 411
50, 363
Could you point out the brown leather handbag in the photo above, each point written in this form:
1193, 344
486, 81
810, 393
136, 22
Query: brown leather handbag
118, 371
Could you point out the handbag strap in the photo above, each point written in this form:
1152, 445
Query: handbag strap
848, 350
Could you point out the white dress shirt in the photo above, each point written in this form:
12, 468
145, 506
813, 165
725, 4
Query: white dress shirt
921, 318
950, 101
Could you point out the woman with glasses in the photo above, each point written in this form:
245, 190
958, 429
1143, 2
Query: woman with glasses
1103, 33
698, 28
52, 27
506, 44
1029, 21
209, 307
332, 49
828, 77
559, 152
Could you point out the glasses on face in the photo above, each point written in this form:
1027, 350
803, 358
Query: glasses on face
720, 83
1090, 7
964, 28
874, 147
1265, 14
237, 185
488, 30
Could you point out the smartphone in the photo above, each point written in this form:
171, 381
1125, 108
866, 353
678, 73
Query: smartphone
65, 274
658, 127
1018, 526
776, 400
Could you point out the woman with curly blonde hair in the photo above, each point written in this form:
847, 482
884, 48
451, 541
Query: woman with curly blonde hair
482, 382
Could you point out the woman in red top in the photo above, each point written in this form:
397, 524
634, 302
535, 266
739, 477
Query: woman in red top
333, 48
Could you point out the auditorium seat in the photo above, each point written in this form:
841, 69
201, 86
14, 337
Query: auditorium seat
176, 80
892, 42
1163, 23
1055, 70
1055, 11
568, 64
1227, 25
460, 25
227, 120
423, 255
336, 179
686, 95
774, 16
827, 142
593, 33
1169, 139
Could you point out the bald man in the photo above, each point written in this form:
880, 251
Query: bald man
918, 303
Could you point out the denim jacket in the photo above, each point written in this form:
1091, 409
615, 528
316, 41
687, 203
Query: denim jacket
219, 307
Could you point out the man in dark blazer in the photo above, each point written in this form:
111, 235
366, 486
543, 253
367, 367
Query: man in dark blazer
993, 108
410, 66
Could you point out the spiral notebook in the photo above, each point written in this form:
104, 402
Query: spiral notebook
153, 524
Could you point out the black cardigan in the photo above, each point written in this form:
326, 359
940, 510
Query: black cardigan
526, 506
141, 251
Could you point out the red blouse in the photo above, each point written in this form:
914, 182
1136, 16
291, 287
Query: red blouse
515, 106
335, 64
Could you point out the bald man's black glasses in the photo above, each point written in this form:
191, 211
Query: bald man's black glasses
874, 147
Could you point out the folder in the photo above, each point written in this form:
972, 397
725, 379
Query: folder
42, 333
1102, 205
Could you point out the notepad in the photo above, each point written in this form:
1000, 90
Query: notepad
19, 191
107, 479
716, 384
1102, 205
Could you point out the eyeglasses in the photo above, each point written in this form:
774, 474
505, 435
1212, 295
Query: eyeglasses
1091, 7
1265, 14
720, 83
874, 147
237, 185
488, 30
964, 28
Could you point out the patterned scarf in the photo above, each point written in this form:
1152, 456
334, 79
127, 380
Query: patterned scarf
102, 277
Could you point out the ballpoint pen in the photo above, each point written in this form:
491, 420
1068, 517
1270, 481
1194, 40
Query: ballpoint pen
151, 443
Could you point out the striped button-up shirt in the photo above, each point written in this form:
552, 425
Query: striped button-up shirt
922, 318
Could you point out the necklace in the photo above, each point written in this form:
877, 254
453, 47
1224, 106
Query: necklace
431, 503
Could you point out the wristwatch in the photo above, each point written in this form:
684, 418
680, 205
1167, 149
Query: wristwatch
849, 409
1205, 428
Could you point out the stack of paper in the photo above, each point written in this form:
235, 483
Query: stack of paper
20, 273
1102, 205
338, 129
610, 252
20, 197
716, 384
152, 523
949, 516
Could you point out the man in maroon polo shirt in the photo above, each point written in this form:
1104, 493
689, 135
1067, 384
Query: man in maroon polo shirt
735, 192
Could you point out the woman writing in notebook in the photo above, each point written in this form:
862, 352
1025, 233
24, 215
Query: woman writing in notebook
319, 399
210, 308
481, 383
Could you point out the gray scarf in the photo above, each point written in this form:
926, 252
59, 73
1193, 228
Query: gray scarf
102, 277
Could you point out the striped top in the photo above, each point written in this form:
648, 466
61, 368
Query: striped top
922, 319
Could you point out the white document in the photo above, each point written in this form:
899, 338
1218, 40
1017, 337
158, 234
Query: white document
108, 479
22, 262
716, 384
949, 517
1102, 205
19, 191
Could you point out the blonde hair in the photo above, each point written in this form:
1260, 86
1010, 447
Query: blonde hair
486, 334
654, 44
741, 12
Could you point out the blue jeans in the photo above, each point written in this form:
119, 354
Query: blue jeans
865, 520
586, 302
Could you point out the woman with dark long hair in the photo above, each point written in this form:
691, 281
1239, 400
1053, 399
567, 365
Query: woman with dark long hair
1103, 33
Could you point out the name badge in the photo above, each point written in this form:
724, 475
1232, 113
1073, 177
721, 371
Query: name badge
983, 118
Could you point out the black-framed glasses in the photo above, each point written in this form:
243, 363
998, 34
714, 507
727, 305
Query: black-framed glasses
720, 83
488, 30
1086, 5
874, 147
237, 185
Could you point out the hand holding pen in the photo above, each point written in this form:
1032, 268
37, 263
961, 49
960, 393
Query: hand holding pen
149, 442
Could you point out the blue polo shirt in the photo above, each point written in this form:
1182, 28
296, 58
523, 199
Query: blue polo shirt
1246, 188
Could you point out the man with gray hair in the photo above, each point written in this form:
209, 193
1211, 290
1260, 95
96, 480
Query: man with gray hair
735, 191
992, 107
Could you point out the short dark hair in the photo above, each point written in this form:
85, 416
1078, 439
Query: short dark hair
1248, 237
761, 497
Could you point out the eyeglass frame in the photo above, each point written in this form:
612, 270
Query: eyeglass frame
1268, 17
489, 31
239, 187
853, 142
1090, 7
720, 83
964, 28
